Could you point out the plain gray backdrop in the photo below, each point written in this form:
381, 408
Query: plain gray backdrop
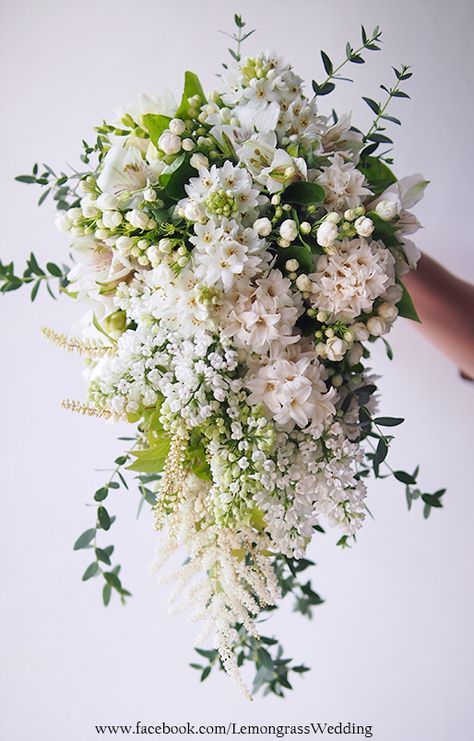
392, 645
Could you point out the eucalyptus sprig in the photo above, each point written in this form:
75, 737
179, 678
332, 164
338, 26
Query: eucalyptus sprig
369, 42
374, 134
239, 37
103, 521
371, 429
33, 275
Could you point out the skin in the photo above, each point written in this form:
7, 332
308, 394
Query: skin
445, 305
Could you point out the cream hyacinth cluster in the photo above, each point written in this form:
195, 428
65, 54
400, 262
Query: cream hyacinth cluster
236, 254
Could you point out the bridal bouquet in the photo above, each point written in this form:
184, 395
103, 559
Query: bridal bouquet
236, 255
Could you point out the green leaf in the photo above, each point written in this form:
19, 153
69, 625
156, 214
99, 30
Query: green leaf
112, 579
325, 89
54, 269
103, 555
404, 477
101, 494
92, 570
377, 174
303, 193
382, 450
372, 104
431, 500
406, 307
84, 540
106, 594
35, 289
25, 179
104, 518
328, 66
155, 125
192, 87
297, 252
265, 659
151, 460
389, 421
205, 673
176, 175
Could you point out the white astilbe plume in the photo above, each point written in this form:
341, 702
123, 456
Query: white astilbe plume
226, 578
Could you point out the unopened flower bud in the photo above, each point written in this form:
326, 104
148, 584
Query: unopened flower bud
199, 160
333, 217
176, 126
303, 283
263, 227
112, 219
169, 143
188, 145
107, 201
388, 311
288, 230
376, 326
327, 234
387, 209
305, 227
335, 349
364, 226
292, 265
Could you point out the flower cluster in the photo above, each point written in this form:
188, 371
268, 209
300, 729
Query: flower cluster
236, 254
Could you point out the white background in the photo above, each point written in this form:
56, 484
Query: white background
392, 646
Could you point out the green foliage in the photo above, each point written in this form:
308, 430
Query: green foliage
155, 125
61, 186
369, 43
34, 276
377, 173
272, 670
375, 134
406, 307
304, 193
151, 460
103, 522
239, 36
176, 175
192, 88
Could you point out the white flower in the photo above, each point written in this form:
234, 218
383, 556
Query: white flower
347, 283
263, 227
282, 171
327, 233
364, 226
344, 185
388, 311
335, 348
170, 143
125, 171
288, 230
63, 222
112, 219
376, 326
388, 208
177, 126
138, 218
107, 201
199, 160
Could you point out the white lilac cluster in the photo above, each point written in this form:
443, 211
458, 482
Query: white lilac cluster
238, 255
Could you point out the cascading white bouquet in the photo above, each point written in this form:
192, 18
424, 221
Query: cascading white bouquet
237, 254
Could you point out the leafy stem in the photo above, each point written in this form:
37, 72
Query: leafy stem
352, 55
238, 36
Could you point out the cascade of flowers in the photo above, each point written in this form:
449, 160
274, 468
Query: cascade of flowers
235, 255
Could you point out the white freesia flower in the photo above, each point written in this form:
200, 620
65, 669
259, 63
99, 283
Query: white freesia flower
344, 185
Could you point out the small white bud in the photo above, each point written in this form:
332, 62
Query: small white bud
327, 234
333, 217
63, 222
283, 243
364, 226
177, 126
263, 227
335, 349
169, 143
188, 145
303, 283
112, 219
124, 245
199, 160
388, 311
288, 230
149, 195
292, 265
388, 209
276, 199
107, 201
305, 227
138, 219
376, 326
